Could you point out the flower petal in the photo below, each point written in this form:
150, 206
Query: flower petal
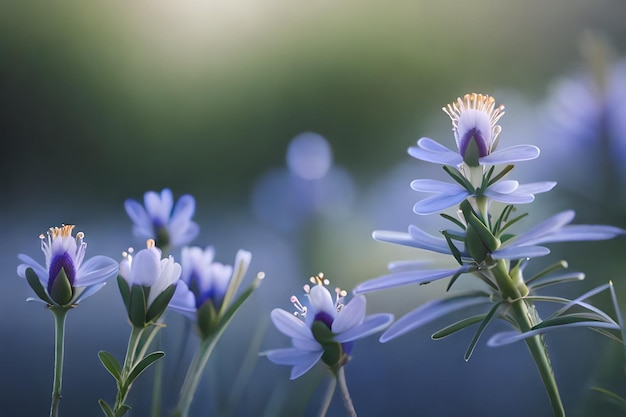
431, 151
138, 214
290, 325
432, 310
520, 252
183, 301
434, 186
321, 300
89, 291
96, 270
512, 336
440, 202
306, 363
29, 262
511, 154
351, 315
372, 324
404, 278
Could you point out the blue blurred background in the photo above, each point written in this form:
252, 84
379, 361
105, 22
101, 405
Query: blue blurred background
289, 123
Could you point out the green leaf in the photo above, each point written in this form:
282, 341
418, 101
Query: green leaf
500, 174
567, 319
232, 309
137, 306
111, 364
124, 290
61, 291
35, 284
159, 304
122, 410
610, 394
453, 249
455, 327
143, 365
513, 221
463, 182
481, 328
488, 239
453, 220
325, 337
106, 408
207, 319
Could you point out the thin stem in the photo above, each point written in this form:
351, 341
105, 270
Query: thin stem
157, 385
60, 314
525, 319
129, 363
328, 396
345, 394
194, 374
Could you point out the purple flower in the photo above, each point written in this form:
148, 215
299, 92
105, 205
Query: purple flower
205, 282
323, 329
474, 123
64, 279
169, 224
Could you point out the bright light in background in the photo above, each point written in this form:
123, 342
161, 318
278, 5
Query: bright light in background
309, 156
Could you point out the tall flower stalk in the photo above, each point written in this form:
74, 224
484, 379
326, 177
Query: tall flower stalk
61, 283
207, 296
482, 242
147, 283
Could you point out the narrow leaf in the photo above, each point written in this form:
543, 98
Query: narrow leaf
35, 284
159, 304
453, 220
137, 307
111, 364
124, 290
122, 410
481, 329
106, 408
552, 268
143, 365
455, 327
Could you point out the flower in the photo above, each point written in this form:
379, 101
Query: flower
147, 283
323, 329
157, 220
207, 288
476, 133
64, 279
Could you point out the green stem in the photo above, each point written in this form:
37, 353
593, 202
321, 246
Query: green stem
526, 319
194, 374
328, 396
60, 314
129, 363
345, 394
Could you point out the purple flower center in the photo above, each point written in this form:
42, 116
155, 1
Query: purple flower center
59, 262
473, 146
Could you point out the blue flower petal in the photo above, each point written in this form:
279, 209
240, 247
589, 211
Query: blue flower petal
96, 270
40, 271
405, 278
520, 252
508, 337
439, 202
372, 324
435, 186
306, 363
432, 310
431, 151
352, 314
89, 291
289, 325
511, 154
399, 266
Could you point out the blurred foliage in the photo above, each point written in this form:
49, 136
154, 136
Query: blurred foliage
108, 99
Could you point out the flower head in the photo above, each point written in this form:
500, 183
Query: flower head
147, 283
323, 328
64, 279
207, 288
160, 219
474, 123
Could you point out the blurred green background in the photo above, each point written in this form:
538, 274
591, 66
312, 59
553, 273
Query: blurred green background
102, 101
